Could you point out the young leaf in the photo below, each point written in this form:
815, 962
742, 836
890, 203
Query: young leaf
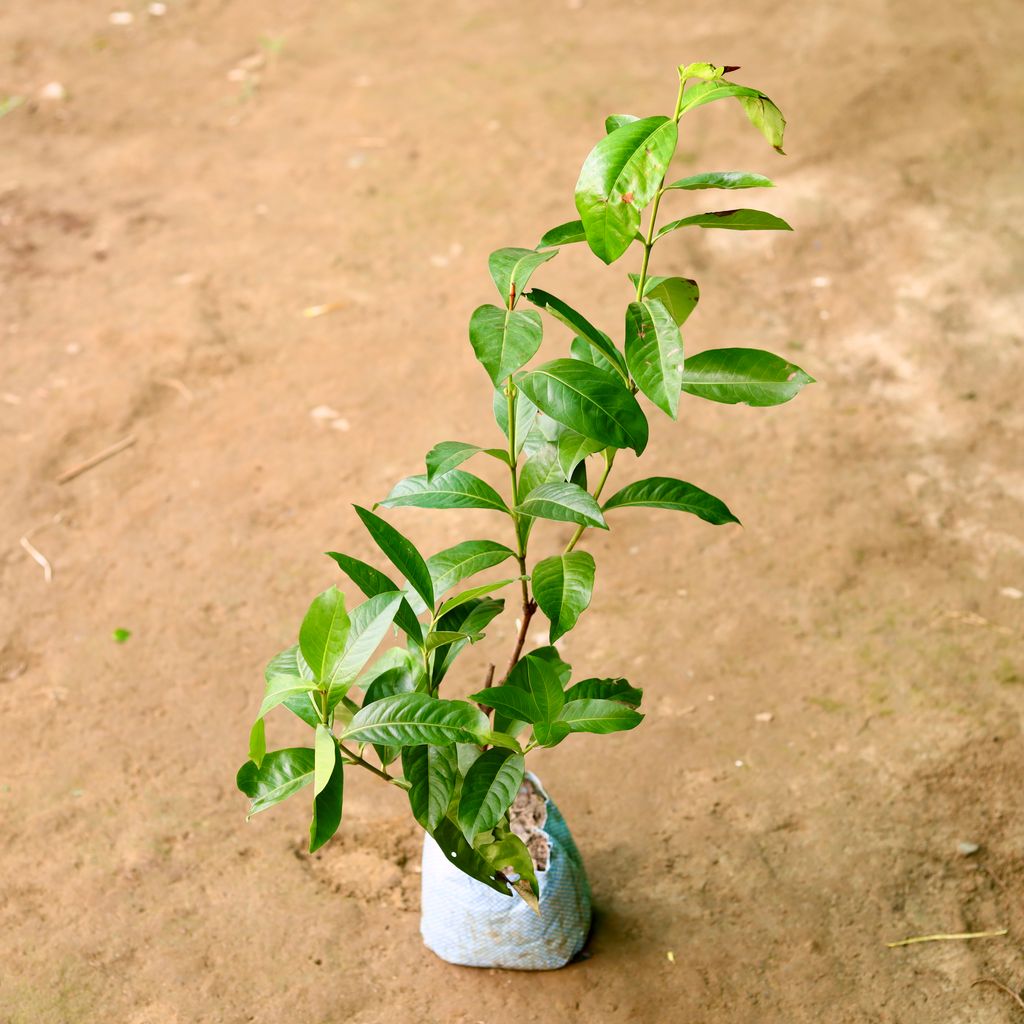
290, 662
723, 179
563, 502
408, 719
328, 790
323, 758
402, 552
677, 495
323, 632
370, 622
457, 851
605, 689
504, 339
573, 448
613, 121
282, 773
512, 701
455, 489
399, 679
542, 467
447, 455
512, 268
431, 773
537, 677
472, 594
372, 582
562, 587
734, 220
550, 657
526, 413
468, 620
442, 637
654, 353
280, 688
743, 375
508, 853
709, 72
679, 294
760, 111
600, 716
564, 234
619, 178
257, 742
589, 400
579, 324
452, 565
488, 790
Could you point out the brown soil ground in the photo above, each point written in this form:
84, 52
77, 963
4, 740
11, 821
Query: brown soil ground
212, 172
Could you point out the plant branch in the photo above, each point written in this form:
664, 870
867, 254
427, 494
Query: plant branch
354, 758
609, 458
529, 607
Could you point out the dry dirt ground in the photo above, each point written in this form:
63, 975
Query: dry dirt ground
213, 171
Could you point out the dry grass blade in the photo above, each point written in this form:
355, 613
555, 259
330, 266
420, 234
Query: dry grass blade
947, 937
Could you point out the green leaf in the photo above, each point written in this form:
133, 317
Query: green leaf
468, 620
679, 294
324, 748
542, 467
760, 111
408, 719
581, 349
454, 489
398, 679
291, 662
508, 853
512, 701
549, 656
328, 790
502, 739
605, 689
257, 742
372, 582
323, 632
564, 234
589, 400
709, 72
579, 324
743, 375
431, 773
401, 551
723, 179
619, 178
452, 565
573, 448
564, 503
538, 678
562, 587
599, 716
613, 121
526, 413
441, 637
488, 790
512, 268
734, 220
370, 622
281, 773
447, 455
654, 353
677, 495
280, 688
471, 594
460, 853
504, 339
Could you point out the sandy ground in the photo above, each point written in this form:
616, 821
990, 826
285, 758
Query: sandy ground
215, 170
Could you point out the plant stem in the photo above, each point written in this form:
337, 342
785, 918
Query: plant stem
354, 758
609, 458
649, 240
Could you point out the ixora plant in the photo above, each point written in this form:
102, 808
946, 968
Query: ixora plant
462, 762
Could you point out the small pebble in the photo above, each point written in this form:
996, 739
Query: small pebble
121, 17
341, 424
670, 957
53, 91
763, 716
1014, 593
739, 764
157, 10
965, 849
821, 281
324, 412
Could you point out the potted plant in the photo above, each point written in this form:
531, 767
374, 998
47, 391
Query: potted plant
503, 884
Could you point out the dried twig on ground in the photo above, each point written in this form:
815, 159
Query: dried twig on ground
95, 460
999, 985
37, 556
947, 938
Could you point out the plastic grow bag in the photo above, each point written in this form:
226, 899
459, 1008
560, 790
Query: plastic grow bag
465, 922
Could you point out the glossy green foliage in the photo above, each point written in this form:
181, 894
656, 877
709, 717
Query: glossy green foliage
744, 376
563, 586
619, 178
567, 407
